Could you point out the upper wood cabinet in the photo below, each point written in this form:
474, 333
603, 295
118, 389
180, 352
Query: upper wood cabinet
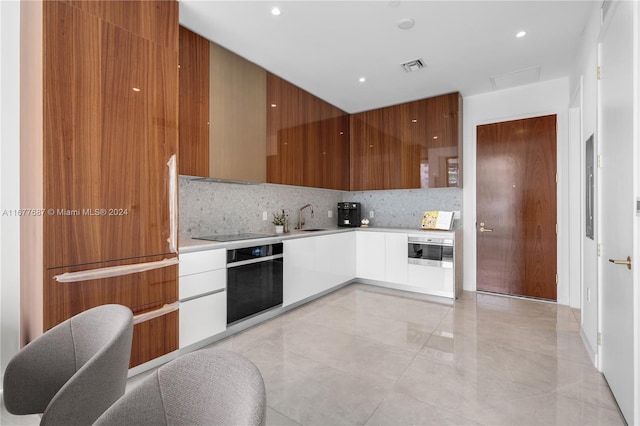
237, 117
194, 104
441, 144
412, 145
222, 112
307, 138
262, 128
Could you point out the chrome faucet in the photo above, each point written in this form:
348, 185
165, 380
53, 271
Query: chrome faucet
300, 218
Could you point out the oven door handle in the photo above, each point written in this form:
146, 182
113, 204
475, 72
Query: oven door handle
256, 260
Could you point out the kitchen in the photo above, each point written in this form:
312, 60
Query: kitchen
214, 197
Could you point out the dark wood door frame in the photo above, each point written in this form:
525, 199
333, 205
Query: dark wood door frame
516, 207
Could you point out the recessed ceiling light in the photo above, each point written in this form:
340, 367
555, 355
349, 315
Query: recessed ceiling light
275, 11
521, 34
414, 120
406, 23
362, 79
135, 89
273, 105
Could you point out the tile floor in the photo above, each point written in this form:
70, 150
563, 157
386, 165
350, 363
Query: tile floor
368, 355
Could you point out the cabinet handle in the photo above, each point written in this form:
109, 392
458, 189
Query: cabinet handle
137, 319
113, 271
173, 204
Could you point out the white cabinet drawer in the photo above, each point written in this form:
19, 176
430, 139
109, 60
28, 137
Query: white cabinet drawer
202, 261
202, 318
435, 280
205, 282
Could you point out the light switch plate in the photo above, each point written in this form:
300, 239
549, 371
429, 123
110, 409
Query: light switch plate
265, 215
330, 213
456, 214
371, 213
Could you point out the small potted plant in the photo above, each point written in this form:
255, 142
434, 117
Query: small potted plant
279, 220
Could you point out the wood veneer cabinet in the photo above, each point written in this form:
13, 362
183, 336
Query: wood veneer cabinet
237, 116
194, 104
307, 138
99, 124
412, 145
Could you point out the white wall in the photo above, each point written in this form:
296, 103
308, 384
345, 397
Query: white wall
549, 97
583, 80
9, 180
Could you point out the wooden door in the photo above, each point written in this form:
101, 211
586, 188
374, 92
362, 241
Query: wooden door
516, 207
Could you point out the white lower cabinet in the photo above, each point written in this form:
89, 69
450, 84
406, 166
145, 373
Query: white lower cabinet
371, 255
202, 317
396, 258
315, 264
382, 256
203, 298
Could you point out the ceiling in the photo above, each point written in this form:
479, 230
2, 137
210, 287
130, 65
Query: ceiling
326, 46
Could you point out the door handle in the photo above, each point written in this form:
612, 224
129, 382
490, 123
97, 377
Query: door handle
622, 262
483, 229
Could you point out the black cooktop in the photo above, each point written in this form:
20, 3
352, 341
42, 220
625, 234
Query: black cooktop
233, 237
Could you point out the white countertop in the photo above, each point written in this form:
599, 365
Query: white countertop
187, 244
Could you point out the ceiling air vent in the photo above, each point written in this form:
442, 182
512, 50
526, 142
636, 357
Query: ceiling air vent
414, 65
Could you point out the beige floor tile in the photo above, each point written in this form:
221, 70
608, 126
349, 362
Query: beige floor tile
554, 409
388, 331
309, 392
347, 353
275, 418
398, 409
467, 387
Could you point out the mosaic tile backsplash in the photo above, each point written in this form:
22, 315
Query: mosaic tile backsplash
209, 207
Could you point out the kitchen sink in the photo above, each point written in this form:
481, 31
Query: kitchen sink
314, 229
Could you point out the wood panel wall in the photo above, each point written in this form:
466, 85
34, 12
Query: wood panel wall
31, 171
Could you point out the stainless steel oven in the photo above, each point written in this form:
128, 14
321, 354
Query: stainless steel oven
431, 251
254, 280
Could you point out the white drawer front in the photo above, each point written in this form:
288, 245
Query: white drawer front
436, 281
202, 317
202, 261
205, 282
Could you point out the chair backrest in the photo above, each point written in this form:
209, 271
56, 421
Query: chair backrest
74, 371
206, 387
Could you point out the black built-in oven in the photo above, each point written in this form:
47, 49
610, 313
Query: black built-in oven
254, 280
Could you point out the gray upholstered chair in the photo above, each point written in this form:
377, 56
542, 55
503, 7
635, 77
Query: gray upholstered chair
206, 387
73, 372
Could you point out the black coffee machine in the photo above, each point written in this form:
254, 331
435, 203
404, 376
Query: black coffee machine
349, 214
